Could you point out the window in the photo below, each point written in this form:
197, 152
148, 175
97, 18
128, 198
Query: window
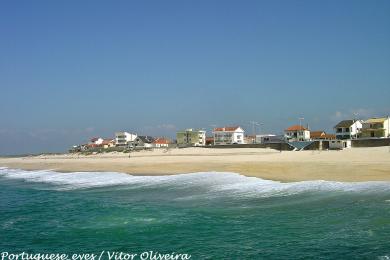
238, 136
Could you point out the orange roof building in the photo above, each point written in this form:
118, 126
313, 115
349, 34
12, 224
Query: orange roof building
297, 133
161, 142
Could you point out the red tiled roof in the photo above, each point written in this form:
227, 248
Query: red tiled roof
226, 128
161, 141
317, 134
296, 128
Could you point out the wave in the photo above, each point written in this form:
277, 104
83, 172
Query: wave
209, 182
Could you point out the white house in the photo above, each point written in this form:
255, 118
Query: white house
297, 133
348, 129
97, 140
142, 141
228, 135
122, 138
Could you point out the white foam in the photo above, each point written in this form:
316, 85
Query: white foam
211, 182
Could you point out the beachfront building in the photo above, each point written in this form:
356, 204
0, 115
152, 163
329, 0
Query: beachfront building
348, 129
321, 135
142, 141
228, 135
96, 140
297, 133
191, 137
123, 138
107, 143
160, 142
376, 127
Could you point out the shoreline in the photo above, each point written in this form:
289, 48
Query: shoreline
352, 165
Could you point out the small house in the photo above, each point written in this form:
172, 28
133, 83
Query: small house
348, 129
297, 133
142, 141
160, 142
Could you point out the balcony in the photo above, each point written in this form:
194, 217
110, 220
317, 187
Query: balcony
376, 126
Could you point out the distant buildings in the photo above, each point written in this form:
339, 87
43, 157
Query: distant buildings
191, 137
345, 132
250, 139
321, 135
376, 127
142, 141
297, 133
123, 138
108, 143
228, 135
210, 140
96, 140
161, 142
348, 129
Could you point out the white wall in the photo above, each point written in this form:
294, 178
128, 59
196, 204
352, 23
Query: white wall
339, 144
127, 138
238, 136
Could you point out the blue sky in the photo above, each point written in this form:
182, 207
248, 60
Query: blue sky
70, 70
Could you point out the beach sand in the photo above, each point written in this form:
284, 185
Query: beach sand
356, 164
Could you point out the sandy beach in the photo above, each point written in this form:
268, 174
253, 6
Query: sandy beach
356, 164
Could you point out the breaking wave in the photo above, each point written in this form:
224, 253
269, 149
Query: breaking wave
206, 182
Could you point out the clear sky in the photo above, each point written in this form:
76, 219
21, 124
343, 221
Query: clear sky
70, 70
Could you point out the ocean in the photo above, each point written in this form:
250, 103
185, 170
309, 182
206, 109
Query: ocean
198, 215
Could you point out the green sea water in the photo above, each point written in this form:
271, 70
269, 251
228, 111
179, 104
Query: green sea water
205, 215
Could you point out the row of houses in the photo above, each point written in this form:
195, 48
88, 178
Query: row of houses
346, 129
229, 135
371, 128
124, 140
